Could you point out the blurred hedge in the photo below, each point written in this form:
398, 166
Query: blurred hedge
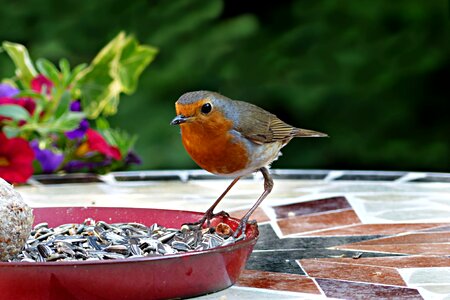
372, 74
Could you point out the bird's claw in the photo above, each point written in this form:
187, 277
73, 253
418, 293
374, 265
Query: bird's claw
242, 227
222, 213
207, 217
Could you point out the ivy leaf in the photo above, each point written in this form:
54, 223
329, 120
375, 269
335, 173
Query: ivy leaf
114, 70
24, 66
133, 61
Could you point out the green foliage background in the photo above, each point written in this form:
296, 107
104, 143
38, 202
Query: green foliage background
374, 75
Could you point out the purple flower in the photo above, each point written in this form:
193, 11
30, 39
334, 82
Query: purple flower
75, 105
49, 160
7, 90
79, 165
78, 132
132, 158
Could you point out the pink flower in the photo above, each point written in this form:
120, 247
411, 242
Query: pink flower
96, 142
16, 159
26, 103
38, 83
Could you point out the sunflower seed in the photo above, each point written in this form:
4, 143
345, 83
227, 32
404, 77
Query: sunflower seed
93, 240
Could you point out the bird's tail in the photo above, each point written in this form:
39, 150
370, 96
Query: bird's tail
299, 132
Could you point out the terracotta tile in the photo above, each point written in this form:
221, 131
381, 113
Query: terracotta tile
438, 229
356, 290
346, 271
423, 249
374, 229
431, 237
301, 224
412, 238
416, 261
430, 243
259, 215
277, 281
311, 207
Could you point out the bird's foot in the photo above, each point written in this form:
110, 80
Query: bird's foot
222, 214
207, 217
242, 227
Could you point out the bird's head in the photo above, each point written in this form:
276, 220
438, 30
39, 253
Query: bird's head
201, 107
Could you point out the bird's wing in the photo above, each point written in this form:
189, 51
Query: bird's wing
260, 126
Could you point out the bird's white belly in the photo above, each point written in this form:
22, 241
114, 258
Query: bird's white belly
260, 155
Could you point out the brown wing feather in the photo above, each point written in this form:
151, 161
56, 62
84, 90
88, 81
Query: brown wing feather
281, 130
260, 126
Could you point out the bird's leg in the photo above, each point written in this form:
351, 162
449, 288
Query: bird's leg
268, 185
209, 213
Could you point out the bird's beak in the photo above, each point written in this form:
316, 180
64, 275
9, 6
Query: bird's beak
180, 119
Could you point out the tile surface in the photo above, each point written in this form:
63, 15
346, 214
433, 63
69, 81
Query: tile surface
431, 243
356, 290
323, 234
309, 223
259, 215
311, 207
351, 272
379, 229
278, 281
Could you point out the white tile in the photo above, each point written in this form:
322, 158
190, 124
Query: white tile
244, 293
426, 275
392, 207
432, 283
436, 213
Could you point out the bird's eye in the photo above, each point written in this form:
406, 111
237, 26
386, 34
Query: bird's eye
206, 108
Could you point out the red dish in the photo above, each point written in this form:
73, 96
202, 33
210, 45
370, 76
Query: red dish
174, 276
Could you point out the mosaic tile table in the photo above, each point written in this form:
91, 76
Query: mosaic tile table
323, 234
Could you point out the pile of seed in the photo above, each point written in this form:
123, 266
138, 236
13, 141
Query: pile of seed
16, 221
93, 240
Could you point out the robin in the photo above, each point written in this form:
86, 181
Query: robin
232, 138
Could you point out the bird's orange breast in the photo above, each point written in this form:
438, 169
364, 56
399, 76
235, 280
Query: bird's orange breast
212, 146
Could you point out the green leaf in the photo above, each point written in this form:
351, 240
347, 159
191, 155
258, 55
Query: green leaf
133, 61
98, 87
64, 66
14, 112
63, 105
10, 131
69, 121
75, 73
101, 123
40, 100
24, 66
48, 69
66, 122
114, 70
31, 94
8, 81
120, 138
37, 112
